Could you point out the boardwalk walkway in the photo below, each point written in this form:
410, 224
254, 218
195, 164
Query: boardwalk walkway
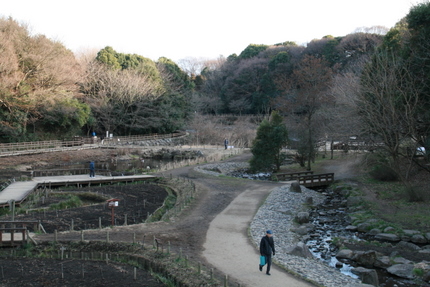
18, 191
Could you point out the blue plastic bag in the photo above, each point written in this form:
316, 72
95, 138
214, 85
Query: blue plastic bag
262, 260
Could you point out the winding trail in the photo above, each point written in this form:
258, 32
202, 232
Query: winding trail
229, 248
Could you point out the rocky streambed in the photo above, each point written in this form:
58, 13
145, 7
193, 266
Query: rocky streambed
359, 247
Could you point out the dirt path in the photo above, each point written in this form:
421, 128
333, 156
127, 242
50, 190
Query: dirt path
229, 248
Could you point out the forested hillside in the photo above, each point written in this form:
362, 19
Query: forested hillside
47, 92
372, 84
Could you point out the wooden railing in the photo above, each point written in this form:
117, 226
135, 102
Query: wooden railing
292, 175
12, 228
11, 148
23, 223
316, 180
75, 171
7, 149
136, 138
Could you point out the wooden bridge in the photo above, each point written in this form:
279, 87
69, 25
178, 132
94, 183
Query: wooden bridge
316, 180
287, 176
307, 178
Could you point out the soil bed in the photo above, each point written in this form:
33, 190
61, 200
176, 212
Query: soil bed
136, 202
52, 272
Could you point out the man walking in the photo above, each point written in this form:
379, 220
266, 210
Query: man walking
92, 169
267, 248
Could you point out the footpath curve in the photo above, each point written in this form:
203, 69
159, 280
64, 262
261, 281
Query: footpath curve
229, 248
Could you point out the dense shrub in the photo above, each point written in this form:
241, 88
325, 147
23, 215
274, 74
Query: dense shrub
383, 173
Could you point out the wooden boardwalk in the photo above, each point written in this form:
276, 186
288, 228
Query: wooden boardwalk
20, 190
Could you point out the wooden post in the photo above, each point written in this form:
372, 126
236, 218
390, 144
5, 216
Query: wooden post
62, 252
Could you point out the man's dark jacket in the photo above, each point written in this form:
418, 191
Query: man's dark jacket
267, 246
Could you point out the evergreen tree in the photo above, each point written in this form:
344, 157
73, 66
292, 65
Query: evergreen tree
266, 149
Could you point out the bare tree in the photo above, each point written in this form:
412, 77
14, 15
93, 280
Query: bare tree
305, 92
388, 105
381, 30
36, 72
118, 97
194, 66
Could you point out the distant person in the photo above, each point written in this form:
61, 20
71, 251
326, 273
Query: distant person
267, 248
226, 143
92, 169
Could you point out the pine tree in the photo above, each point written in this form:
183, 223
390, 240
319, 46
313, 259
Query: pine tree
266, 149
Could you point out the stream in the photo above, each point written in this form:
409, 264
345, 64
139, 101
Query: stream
330, 221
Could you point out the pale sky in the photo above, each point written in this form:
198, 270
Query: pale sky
177, 29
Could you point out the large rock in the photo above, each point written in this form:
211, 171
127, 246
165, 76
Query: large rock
295, 187
402, 270
302, 217
382, 262
407, 245
301, 250
367, 276
400, 260
351, 228
419, 239
345, 254
387, 237
363, 227
389, 229
409, 232
365, 258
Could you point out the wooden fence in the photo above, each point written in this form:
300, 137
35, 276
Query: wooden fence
8, 149
74, 171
